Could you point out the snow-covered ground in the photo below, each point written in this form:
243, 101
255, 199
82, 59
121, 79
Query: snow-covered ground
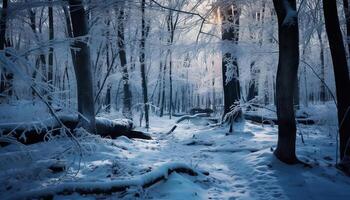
240, 165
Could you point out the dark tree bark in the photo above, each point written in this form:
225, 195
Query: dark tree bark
286, 79
6, 78
172, 22
69, 30
41, 60
323, 66
252, 91
170, 85
171, 25
296, 98
127, 112
341, 73
347, 19
230, 33
50, 61
3, 22
82, 67
108, 98
142, 62
213, 87
159, 80
162, 105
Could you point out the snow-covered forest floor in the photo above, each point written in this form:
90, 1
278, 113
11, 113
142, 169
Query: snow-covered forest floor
241, 165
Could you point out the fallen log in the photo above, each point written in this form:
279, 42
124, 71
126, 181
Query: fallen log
178, 114
186, 117
144, 181
34, 132
199, 142
194, 111
270, 120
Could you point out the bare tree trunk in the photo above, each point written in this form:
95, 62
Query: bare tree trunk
213, 87
341, 73
3, 22
142, 62
230, 32
170, 84
286, 77
347, 19
5, 77
108, 98
160, 83
50, 61
66, 76
323, 88
252, 91
296, 98
69, 34
42, 59
82, 67
127, 112
69, 30
171, 24
162, 105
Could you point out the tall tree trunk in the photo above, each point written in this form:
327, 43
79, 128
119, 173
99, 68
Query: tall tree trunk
252, 91
3, 22
341, 73
142, 63
323, 87
5, 77
170, 84
162, 105
42, 60
127, 112
213, 87
69, 33
160, 83
108, 98
286, 77
69, 30
230, 33
347, 19
171, 24
296, 98
50, 61
253, 84
82, 67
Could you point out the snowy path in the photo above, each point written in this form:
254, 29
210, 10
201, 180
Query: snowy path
224, 157
241, 165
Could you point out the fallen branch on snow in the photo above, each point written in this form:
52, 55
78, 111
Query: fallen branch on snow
186, 117
83, 188
269, 120
232, 150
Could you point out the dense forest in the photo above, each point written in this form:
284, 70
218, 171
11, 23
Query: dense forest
174, 99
